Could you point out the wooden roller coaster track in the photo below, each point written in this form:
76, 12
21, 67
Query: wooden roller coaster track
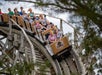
19, 44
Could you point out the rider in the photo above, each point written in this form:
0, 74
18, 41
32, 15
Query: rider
10, 12
52, 37
0, 12
31, 14
21, 12
16, 12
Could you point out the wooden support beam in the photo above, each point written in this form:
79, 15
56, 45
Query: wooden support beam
61, 27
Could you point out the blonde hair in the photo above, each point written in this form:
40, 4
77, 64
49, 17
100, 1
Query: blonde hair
41, 16
51, 32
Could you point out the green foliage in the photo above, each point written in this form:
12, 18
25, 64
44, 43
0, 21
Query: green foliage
18, 68
90, 68
43, 67
92, 41
22, 68
100, 71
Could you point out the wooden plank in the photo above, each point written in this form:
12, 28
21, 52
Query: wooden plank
21, 21
28, 25
72, 65
32, 27
5, 18
14, 18
0, 19
65, 68
59, 45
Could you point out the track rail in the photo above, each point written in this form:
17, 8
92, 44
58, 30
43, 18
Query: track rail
63, 66
35, 43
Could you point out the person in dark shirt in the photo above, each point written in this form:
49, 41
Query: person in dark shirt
16, 12
21, 12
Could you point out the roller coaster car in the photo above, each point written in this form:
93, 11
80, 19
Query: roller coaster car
4, 18
20, 21
60, 46
29, 27
14, 18
23, 23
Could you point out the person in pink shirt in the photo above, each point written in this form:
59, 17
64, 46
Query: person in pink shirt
51, 37
38, 25
0, 12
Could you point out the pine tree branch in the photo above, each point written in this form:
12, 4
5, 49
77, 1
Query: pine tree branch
3, 73
50, 4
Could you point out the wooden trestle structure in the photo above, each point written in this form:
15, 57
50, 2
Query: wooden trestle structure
23, 50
